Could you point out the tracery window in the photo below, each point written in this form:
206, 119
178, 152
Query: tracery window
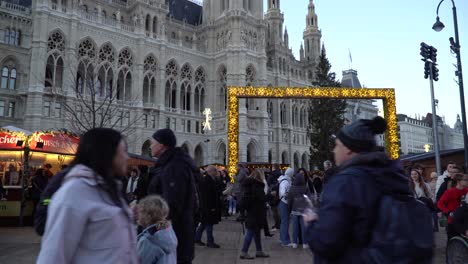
55, 64
124, 82
86, 65
199, 99
185, 89
171, 84
149, 82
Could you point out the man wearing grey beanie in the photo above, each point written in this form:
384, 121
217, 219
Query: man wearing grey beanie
360, 220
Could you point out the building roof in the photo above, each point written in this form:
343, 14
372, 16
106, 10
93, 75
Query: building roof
350, 79
424, 156
186, 10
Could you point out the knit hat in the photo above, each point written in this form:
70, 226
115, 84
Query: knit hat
360, 135
166, 137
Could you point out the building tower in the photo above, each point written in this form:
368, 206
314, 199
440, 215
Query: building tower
312, 34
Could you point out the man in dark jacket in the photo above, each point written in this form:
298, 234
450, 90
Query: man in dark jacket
210, 206
342, 230
172, 178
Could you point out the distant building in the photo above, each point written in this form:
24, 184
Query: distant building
416, 136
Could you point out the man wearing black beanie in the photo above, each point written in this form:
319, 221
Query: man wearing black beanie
358, 213
172, 177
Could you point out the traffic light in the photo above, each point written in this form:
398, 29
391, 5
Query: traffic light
433, 54
435, 72
427, 69
425, 51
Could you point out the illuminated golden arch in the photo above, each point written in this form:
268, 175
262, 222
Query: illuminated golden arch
234, 93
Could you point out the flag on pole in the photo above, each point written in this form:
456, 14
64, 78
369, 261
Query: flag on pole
350, 58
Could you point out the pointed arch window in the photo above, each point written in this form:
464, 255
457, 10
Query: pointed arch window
54, 66
4, 83
12, 83
6, 40
270, 110
283, 113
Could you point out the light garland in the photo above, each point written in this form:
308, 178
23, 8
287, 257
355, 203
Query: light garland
234, 93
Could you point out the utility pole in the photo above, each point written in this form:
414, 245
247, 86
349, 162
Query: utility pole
429, 55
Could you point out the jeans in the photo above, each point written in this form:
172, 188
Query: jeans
435, 221
249, 234
209, 233
232, 204
284, 226
297, 220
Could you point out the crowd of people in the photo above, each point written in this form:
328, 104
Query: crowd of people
99, 210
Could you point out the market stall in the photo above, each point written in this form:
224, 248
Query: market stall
23, 150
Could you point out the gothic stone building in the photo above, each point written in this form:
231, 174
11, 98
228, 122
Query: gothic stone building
171, 59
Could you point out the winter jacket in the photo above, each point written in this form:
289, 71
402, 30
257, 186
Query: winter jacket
39, 184
440, 180
85, 226
450, 201
238, 181
284, 184
348, 212
173, 178
460, 219
296, 192
210, 203
157, 246
254, 202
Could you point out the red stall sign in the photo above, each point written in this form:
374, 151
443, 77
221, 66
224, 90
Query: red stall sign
54, 142
9, 140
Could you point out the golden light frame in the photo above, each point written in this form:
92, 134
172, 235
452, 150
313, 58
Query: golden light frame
235, 93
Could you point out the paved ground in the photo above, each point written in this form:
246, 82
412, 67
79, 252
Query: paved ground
21, 246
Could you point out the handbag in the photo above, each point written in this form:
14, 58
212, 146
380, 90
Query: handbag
315, 198
443, 222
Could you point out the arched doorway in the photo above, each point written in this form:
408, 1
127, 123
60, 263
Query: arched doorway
284, 157
145, 149
296, 161
251, 152
221, 156
185, 148
305, 163
199, 160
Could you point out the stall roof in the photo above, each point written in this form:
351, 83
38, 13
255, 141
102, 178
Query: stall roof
17, 129
423, 156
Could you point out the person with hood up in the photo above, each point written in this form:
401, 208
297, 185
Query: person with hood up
342, 229
296, 195
284, 184
157, 244
173, 178
88, 219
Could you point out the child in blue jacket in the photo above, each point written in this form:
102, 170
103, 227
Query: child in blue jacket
157, 244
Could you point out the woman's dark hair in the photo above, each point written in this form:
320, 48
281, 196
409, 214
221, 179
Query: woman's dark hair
39, 172
97, 149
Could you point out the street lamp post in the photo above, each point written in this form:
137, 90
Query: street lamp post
455, 47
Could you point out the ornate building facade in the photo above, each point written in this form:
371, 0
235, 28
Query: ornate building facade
165, 61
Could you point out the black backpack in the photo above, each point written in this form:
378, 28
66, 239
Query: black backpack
40, 215
402, 233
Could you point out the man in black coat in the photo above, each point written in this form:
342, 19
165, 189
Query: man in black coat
210, 207
172, 178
